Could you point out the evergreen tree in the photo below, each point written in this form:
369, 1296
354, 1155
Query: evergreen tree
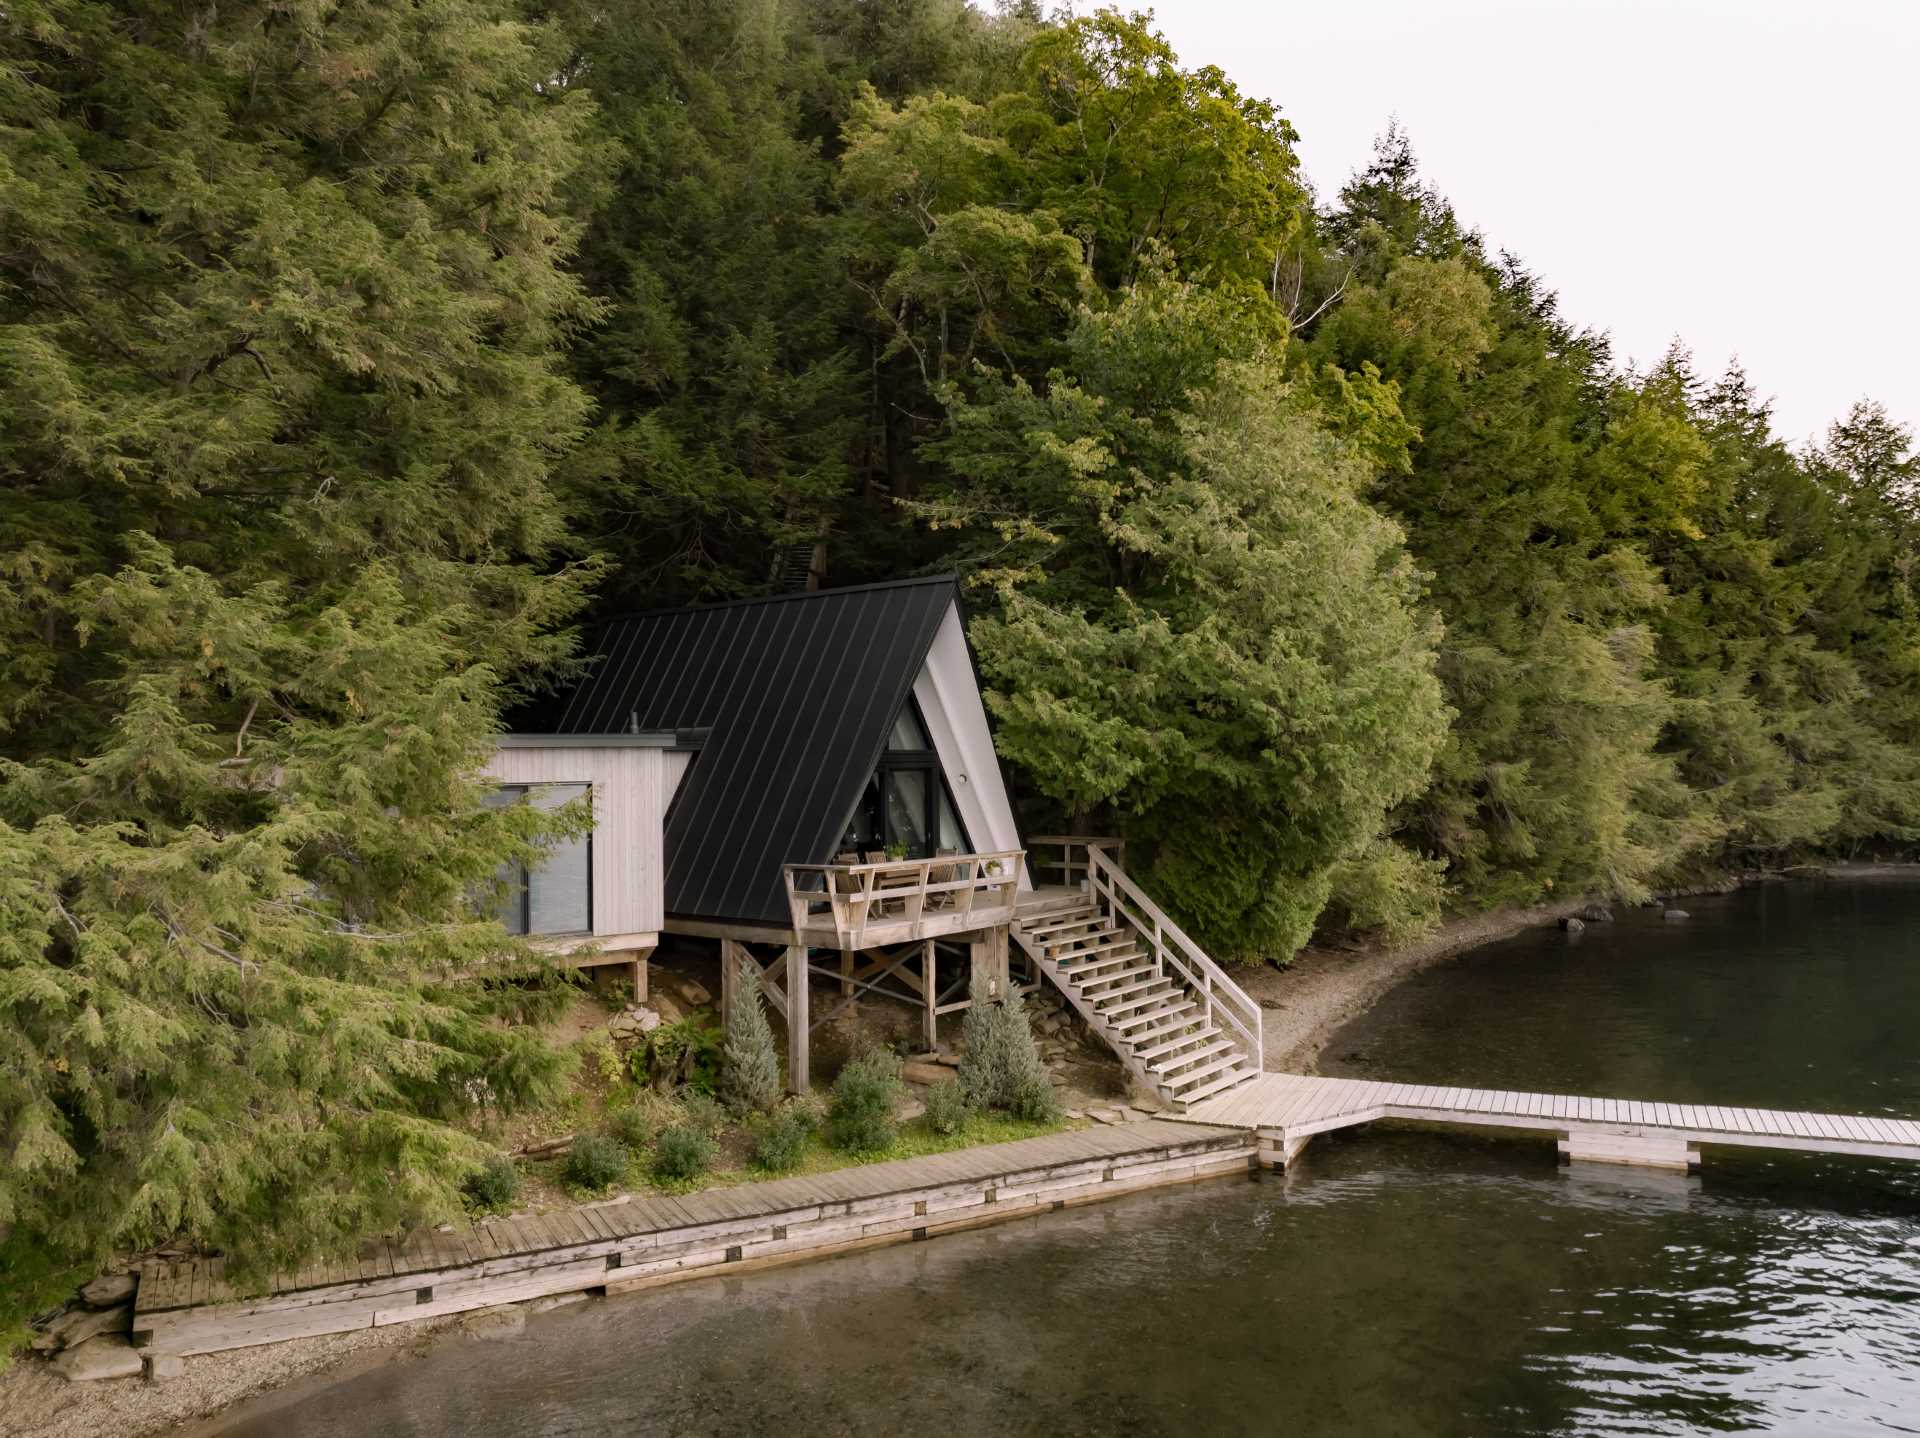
749, 1062
281, 303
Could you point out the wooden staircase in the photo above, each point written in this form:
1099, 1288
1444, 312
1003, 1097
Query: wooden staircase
1181, 1027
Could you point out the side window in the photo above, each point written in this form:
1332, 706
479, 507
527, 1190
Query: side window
556, 895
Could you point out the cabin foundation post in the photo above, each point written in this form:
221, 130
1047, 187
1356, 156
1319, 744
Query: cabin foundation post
846, 973
929, 997
988, 978
729, 979
799, 1026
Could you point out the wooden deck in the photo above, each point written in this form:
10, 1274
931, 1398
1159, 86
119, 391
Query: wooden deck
1287, 1109
190, 1307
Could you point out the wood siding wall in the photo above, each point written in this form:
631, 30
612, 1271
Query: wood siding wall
631, 787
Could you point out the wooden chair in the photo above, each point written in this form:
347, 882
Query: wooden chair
944, 874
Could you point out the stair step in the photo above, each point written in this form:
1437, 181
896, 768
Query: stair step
1173, 1066
1079, 972
1206, 1070
1175, 1041
1113, 1012
1158, 1021
1171, 1026
1220, 1085
1095, 944
1072, 919
1116, 973
1103, 1001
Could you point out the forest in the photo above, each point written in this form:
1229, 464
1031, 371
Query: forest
356, 357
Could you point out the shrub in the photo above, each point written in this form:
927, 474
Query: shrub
682, 1152
749, 1063
1001, 1069
595, 1162
947, 1107
703, 1112
860, 1116
681, 1054
630, 1124
494, 1185
779, 1138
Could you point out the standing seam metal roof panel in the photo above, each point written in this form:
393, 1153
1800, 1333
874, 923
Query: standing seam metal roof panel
797, 693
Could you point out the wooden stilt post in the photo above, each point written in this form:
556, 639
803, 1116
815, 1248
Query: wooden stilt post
988, 978
929, 999
639, 967
729, 978
846, 973
798, 1020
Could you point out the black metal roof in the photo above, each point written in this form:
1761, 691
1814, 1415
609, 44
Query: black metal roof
797, 692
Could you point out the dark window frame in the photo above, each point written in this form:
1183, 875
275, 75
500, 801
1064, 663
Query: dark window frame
924, 760
521, 793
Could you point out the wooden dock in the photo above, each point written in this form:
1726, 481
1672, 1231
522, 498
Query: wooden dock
1285, 1110
191, 1307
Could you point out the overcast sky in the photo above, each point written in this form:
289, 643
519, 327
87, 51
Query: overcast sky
1740, 173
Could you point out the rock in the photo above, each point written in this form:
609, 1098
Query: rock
1572, 925
1078, 1115
925, 1073
696, 993
557, 1300
77, 1325
106, 1357
501, 1322
1106, 1115
911, 1110
951, 1061
109, 1290
1135, 1115
165, 1367
1676, 914
1597, 914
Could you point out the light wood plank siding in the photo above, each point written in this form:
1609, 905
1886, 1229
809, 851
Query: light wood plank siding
631, 788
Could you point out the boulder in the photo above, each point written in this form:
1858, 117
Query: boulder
1573, 925
925, 1073
165, 1367
1676, 914
109, 1290
501, 1322
77, 1325
557, 1300
110, 1356
1597, 914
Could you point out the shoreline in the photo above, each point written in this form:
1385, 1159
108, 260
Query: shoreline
1305, 1005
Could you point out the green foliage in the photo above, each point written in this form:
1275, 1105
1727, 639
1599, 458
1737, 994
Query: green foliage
1201, 624
780, 1138
948, 1108
281, 338
492, 1187
1388, 888
750, 1064
682, 1152
629, 1124
999, 1067
860, 1113
595, 1163
703, 1112
686, 1054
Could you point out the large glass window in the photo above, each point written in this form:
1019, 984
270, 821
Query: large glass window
556, 896
905, 807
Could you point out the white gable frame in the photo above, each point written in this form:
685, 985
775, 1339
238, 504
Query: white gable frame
948, 694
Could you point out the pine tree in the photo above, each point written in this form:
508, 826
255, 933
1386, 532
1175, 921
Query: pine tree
749, 1063
280, 309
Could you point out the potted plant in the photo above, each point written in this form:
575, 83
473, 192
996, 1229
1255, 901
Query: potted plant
896, 851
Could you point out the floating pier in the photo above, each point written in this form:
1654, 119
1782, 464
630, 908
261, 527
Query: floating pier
1285, 1110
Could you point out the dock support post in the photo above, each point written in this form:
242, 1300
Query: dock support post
799, 1025
1278, 1148
1629, 1145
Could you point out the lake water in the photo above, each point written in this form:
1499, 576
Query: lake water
1395, 1282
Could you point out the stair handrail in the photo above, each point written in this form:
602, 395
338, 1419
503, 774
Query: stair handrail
1222, 994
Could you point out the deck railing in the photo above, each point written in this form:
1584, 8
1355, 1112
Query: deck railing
1173, 952
901, 899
